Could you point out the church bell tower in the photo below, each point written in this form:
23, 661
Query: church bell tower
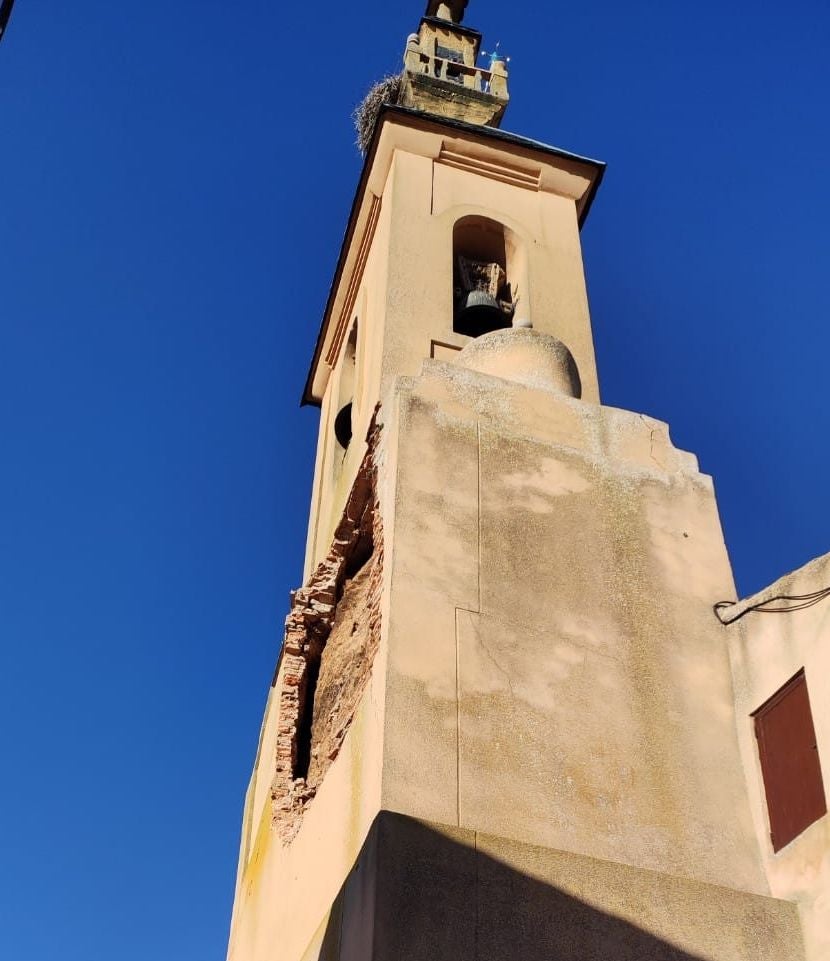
502, 725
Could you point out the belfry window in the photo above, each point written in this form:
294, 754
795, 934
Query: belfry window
483, 291
789, 762
449, 53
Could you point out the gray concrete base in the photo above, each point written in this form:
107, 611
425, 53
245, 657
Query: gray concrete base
426, 892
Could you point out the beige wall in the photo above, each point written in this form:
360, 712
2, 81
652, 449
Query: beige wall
550, 671
556, 674
402, 290
766, 651
422, 891
550, 677
284, 892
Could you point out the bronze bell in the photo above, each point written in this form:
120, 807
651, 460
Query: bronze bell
480, 313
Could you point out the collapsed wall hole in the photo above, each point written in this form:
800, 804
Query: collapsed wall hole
357, 558
484, 290
360, 556
306, 693
331, 636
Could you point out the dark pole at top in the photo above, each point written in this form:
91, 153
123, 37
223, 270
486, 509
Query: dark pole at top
5, 13
452, 10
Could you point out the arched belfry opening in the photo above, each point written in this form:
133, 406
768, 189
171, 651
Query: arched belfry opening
485, 282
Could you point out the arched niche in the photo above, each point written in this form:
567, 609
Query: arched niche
489, 275
346, 391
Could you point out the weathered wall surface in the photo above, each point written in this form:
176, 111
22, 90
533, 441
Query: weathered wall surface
550, 685
334, 625
430, 892
556, 674
767, 650
286, 891
307, 817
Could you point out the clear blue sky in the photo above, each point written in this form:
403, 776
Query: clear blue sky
175, 182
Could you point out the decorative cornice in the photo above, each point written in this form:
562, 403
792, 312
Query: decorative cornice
505, 173
354, 281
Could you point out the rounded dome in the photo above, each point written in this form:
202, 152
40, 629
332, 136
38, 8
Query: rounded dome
526, 357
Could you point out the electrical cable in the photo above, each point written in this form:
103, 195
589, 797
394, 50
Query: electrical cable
5, 13
794, 602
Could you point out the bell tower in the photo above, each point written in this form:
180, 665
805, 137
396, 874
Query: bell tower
502, 723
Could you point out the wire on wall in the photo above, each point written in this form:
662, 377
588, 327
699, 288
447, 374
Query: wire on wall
782, 604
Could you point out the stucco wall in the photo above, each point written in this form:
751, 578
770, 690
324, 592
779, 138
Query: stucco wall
766, 651
430, 892
552, 684
556, 674
401, 286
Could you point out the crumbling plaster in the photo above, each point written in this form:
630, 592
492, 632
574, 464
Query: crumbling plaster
331, 637
299, 844
549, 670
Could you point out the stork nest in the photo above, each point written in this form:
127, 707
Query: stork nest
366, 114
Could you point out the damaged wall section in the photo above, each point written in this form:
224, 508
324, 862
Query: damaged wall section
331, 637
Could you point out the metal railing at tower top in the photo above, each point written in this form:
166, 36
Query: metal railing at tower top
5, 13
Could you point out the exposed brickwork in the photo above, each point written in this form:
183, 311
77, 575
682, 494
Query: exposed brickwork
341, 602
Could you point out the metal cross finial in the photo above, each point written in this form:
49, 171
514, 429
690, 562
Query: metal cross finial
495, 56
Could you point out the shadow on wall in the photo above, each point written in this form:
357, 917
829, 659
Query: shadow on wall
423, 893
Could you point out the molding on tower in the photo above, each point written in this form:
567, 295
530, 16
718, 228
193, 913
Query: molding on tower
531, 163
505, 173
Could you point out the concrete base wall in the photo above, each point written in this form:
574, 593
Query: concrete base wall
428, 892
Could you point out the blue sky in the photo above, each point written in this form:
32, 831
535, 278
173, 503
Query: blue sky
175, 183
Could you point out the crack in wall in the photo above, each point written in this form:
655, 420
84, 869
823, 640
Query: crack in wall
652, 432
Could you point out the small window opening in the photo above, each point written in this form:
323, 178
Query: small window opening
343, 426
345, 404
449, 53
483, 297
790, 763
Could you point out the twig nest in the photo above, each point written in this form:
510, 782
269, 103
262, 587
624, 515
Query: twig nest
366, 114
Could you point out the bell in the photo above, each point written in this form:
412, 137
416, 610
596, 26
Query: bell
479, 314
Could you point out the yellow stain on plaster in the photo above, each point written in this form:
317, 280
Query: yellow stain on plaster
256, 863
